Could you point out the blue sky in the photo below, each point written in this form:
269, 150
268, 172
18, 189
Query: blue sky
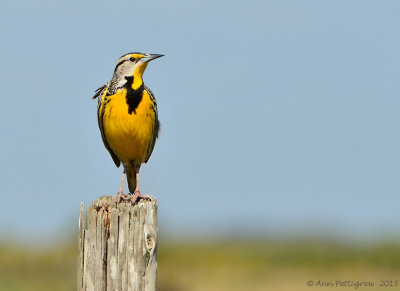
282, 115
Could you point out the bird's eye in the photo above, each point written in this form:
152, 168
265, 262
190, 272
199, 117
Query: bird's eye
132, 59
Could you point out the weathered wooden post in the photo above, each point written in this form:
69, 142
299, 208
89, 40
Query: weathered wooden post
118, 246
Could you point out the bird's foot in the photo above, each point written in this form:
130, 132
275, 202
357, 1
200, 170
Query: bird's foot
122, 197
137, 196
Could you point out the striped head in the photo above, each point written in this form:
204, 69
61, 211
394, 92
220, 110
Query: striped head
130, 68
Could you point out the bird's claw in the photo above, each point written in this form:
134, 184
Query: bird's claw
137, 196
122, 197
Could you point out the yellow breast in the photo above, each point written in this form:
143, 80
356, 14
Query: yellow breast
129, 134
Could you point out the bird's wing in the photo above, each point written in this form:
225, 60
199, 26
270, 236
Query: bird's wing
101, 94
156, 126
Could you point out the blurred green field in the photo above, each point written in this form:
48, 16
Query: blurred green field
223, 265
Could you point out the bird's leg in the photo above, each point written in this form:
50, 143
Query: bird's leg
121, 195
136, 194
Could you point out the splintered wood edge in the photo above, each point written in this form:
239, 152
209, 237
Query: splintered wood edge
106, 203
81, 239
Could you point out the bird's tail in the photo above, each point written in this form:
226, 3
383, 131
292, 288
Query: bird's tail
131, 178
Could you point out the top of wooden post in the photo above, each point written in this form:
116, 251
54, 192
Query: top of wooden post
106, 203
117, 245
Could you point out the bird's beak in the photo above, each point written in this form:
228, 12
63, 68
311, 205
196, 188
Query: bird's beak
148, 58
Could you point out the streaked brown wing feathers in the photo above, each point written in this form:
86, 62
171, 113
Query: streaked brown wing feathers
101, 94
156, 126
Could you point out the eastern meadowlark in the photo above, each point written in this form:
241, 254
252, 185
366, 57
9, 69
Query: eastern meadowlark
128, 119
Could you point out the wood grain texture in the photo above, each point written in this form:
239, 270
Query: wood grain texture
118, 246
